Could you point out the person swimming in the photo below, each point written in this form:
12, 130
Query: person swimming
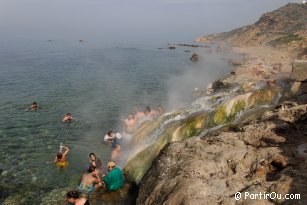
68, 118
76, 198
60, 158
34, 106
88, 181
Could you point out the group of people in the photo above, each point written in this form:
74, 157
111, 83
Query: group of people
133, 121
90, 181
99, 176
34, 107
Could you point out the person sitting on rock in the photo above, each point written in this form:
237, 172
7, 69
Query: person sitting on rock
95, 161
76, 198
88, 181
115, 178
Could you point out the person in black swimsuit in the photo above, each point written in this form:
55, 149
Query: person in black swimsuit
75, 197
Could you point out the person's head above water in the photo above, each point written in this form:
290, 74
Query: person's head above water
92, 156
130, 116
109, 132
68, 114
34, 105
147, 110
59, 155
73, 195
91, 169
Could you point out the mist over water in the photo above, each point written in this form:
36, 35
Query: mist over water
99, 86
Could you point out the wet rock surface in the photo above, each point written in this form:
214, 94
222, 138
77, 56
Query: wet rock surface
266, 155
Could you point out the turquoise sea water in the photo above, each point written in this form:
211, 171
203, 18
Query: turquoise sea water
99, 85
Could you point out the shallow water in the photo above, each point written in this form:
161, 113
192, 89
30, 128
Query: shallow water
98, 85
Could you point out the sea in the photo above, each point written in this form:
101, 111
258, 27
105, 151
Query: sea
99, 85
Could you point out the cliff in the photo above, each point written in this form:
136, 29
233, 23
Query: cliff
284, 28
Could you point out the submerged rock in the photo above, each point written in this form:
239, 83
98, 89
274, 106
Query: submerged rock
194, 57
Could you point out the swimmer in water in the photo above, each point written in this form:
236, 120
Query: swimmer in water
60, 158
34, 106
68, 118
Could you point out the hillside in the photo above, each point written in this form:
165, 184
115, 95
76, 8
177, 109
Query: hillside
284, 28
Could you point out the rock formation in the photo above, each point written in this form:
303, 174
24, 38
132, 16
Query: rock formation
194, 57
266, 155
263, 152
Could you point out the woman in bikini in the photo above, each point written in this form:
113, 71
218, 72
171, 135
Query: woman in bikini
88, 181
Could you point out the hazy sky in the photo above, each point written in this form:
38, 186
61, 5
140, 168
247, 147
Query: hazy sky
132, 21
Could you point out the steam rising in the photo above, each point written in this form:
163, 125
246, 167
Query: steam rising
211, 67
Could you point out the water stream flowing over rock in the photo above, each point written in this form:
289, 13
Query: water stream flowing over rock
207, 112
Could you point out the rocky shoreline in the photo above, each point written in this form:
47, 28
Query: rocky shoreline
263, 156
267, 153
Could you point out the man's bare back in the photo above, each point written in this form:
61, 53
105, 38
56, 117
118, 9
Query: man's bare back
129, 124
